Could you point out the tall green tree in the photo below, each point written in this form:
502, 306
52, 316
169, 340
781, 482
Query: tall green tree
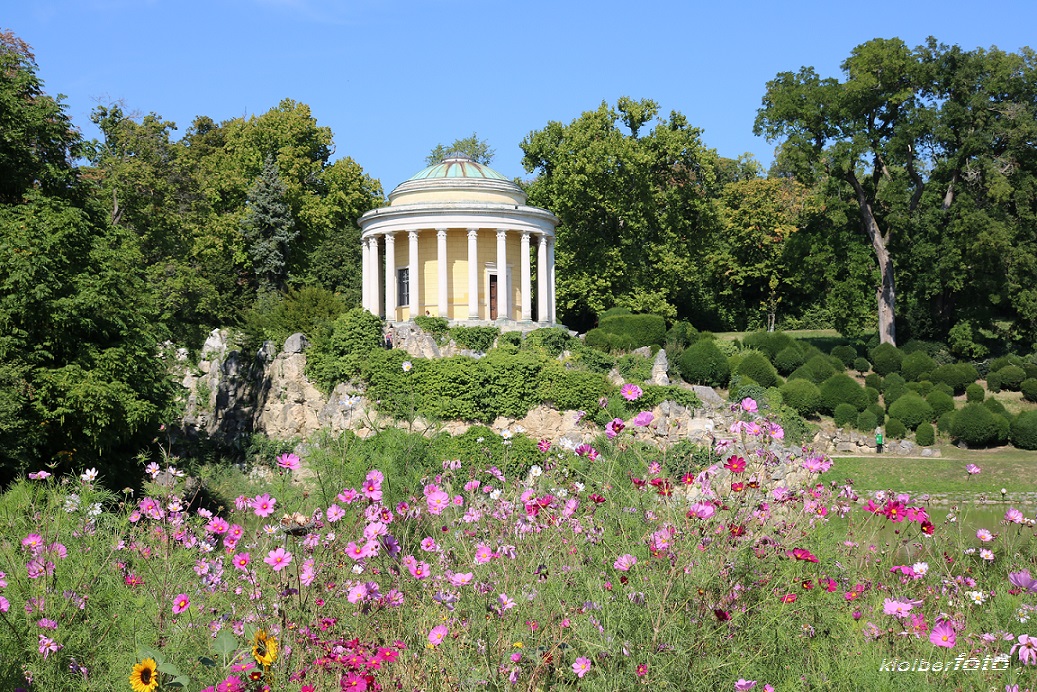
634, 206
81, 381
269, 229
930, 142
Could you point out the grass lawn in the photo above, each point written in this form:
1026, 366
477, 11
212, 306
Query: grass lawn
1004, 467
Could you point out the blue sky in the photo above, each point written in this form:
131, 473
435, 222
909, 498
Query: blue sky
393, 79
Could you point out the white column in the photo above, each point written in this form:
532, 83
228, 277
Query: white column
542, 279
376, 291
473, 273
444, 309
503, 304
412, 273
365, 301
390, 277
527, 304
551, 280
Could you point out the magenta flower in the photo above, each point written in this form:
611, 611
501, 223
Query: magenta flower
644, 419
263, 505
242, 560
438, 633
217, 525
582, 665
749, 405
335, 513
943, 634
614, 427
630, 392
898, 609
735, 464
437, 501
624, 562
1027, 647
1014, 516
1023, 580
701, 510
181, 603
742, 685
278, 559
544, 446
972, 469
5, 605
289, 461
802, 554
48, 646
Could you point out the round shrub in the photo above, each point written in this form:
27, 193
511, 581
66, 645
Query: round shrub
844, 415
922, 388
945, 423
1029, 388
917, 366
996, 407
1003, 429
339, 353
994, 382
704, 363
1023, 431
801, 395
873, 395
1031, 370
867, 421
1012, 377
819, 369
895, 429
842, 389
911, 409
873, 379
996, 364
925, 435
879, 411
627, 332
941, 387
956, 376
788, 359
886, 359
846, 353
756, 366
974, 393
974, 425
941, 402
893, 388
682, 334
862, 365
771, 343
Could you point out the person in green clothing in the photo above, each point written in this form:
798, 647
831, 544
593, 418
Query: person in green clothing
878, 440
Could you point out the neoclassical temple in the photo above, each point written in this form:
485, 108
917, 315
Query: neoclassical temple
458, 241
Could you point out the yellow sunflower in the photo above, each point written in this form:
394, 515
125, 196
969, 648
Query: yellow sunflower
144, 677
264, 648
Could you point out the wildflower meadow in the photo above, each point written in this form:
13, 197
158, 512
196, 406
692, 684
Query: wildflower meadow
603, 567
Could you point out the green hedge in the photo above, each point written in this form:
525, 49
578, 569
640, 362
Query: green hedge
704, 363
956, 376
801, 395
925, 435
1023, 430
974, 393
886, 359
917, 366
867, 421
771, 343
552, 340
842, 389
627, 332
756, 366
975, 425
1029, 389
912, 410
788, 359
846, 353
1011, 377
475, 338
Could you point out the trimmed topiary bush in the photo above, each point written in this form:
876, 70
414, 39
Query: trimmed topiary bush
818, 369
925, 435
862, 365
917, 366
1029, 389
941, 402
1012, 377
996, 407
771, 343
873, 379
756, 366
994, 382
627, 332
867, 421
788, 359
974, 425
893, 388
1023, 430
895, 429
911, 409
801, 395
873, 395
922, 388
956, 376
879, 410
974, 393
842, 389
886, 359
845, 353
945, 423
845, 414
704, 363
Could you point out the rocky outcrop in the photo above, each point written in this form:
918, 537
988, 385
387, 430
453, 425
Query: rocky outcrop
841, 441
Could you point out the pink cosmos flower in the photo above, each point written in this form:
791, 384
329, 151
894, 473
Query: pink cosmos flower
419, 570
630, 392
33, 542
742, 685
460, 579
5, 605
1014, 516
180, 603
614, 427
624, 562
437, 501
701, 510
1027, 647
581, 666
347, 496
278, 559
898, 609
217, 525
263, 505
644, 419
802, 554
544, 446
749, 405
483, 554
943, 634
735, 464
437, 634
242, 560
335, 513
39, 476
984, 535
47, 645
289, 461
1023, 580
972, 469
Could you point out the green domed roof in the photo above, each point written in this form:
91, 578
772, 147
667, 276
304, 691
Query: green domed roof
457, 166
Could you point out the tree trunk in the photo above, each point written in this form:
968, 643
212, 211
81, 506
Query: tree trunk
886, 292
